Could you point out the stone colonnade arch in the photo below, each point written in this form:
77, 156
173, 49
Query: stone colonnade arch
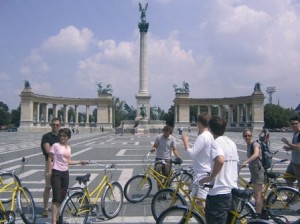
35, 114
239, 112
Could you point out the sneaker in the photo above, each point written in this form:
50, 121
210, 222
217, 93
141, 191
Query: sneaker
45, 214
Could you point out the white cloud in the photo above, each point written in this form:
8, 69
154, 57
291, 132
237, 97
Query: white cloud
68, 40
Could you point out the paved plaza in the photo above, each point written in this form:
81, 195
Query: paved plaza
126, 151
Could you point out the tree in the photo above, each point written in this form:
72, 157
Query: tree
4, 114
276, 116
16, 116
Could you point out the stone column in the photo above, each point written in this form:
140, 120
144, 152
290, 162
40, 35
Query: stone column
87, 111
46, 113
143, 96
65, 114
76, 115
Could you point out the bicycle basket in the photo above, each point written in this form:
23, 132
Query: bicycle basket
148, 160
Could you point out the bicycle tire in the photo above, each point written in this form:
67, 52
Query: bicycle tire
185, 177
176, 214
283, 201
26, 206
247, 213
112, 200
70, 207
165, 198
137, 188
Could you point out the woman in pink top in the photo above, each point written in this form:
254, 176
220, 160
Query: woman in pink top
60, 154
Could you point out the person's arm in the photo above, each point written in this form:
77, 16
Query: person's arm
50, 163
154, 147
217, 167
185, 140
290, 146
77, 162
46, 147
175, 152
253, 157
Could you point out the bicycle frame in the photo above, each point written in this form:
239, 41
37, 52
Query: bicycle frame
13, 186
161, 179
97, 192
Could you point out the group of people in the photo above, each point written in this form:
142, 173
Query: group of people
57, 154
216, 161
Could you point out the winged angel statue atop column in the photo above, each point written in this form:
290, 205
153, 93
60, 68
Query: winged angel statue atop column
143, 12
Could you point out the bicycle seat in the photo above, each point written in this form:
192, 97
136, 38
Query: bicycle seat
244, 194
83, 179
273, 175
177, 161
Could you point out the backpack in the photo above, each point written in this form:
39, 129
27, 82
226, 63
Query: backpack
266, 154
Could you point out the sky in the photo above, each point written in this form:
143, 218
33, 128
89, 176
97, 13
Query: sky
220, 47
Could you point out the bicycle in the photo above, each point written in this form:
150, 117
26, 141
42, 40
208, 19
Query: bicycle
279, 200
169, 197
81, 201
12, 191
195, 213
138, 187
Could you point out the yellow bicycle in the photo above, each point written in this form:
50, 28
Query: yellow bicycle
12, 191
169, 197
80, 201
195, 213
138, 187
279, 200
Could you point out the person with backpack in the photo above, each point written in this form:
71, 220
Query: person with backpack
294, 146
256, 168
48, 140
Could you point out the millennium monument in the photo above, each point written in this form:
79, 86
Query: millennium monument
143, 97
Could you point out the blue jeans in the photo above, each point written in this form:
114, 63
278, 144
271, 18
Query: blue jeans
217, 208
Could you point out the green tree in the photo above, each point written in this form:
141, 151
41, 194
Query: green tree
16, 117
4, 114
276, 117
118, 112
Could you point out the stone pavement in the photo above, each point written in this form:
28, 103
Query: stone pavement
125, 151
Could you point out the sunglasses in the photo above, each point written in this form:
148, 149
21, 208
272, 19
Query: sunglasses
245, 136
294, 123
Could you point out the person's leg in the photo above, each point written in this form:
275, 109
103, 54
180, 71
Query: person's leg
290, 170
56, 191
296, 169
158, 168
46, 193
55, 207
217, 208
258, 197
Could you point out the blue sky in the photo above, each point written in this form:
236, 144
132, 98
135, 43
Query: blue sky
221, 48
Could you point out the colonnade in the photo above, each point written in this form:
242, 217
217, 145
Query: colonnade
239, 112
38, 110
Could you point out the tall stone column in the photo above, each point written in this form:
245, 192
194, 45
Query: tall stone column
143, 96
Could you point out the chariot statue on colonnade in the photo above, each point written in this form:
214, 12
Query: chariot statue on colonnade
107, 90
184, 89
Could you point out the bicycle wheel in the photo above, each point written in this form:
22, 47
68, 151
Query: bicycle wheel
246, 214
26, 205
283, 201
177, 214
112, 200
137, 188
165, 198
75, 209
185, 178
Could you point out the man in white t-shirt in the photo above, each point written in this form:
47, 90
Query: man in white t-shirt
224, 173
200, 151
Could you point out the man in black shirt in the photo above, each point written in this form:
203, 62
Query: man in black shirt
48, 140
